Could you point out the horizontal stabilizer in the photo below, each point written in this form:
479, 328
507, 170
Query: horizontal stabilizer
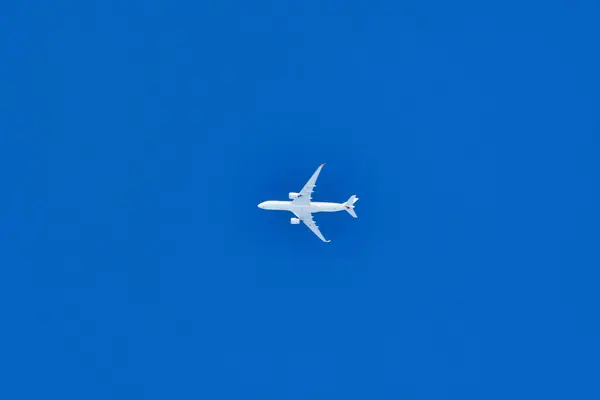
351, 212
353, 199
350, 205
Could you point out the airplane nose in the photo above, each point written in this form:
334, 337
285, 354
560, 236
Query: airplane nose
261, 205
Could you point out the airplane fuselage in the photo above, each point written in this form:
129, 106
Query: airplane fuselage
313, 207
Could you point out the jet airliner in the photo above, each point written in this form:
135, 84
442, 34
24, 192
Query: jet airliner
303, 208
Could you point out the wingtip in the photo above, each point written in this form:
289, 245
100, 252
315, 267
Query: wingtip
322, 165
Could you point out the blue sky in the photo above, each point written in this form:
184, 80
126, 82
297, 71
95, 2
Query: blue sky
138, 137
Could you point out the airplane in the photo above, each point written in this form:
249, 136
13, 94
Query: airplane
303, 208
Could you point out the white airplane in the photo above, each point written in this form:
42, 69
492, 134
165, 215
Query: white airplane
302, 206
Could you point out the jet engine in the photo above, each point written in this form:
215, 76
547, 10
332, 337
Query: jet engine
294, 221
293, 195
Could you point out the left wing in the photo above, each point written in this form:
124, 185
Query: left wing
310, 222
305, 193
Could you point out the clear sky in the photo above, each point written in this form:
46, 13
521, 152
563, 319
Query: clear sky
138, 137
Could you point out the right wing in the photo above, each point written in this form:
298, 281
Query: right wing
305, 193
310, 222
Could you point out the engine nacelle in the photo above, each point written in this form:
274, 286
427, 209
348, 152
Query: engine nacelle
294, 221
293, 195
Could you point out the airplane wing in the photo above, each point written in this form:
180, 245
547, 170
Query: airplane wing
310, 222
305, 193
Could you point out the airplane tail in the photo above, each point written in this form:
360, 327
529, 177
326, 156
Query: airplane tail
350, 205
